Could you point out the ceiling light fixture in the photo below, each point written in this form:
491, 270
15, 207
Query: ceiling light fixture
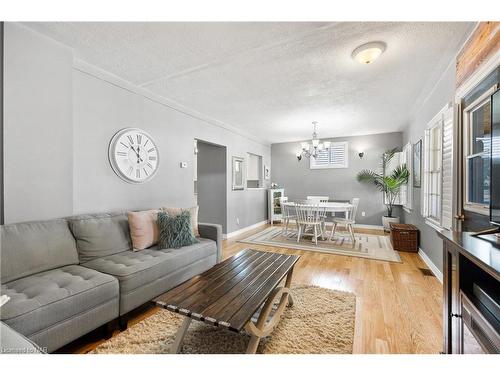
367, 53
313, 148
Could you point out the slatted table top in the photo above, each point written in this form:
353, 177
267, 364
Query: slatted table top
229, 293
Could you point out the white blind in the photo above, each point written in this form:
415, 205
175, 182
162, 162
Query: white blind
338, 155
335, 157
322, 159
447, 191
425, 175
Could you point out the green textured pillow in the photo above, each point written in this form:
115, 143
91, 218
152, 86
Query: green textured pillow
175, 231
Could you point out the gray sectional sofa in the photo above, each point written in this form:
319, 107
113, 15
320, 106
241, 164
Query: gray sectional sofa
67, 277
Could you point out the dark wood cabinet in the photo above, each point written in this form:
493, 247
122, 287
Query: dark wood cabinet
471, 293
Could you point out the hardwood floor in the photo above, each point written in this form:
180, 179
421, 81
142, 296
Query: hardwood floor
398, 308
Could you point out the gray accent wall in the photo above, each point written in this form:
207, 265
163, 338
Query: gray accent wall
442, 93
59, 119
212, 179
340, 184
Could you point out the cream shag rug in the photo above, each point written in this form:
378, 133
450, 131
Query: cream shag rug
366, 245
320, 321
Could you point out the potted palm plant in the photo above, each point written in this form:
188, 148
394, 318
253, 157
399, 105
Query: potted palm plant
389, 184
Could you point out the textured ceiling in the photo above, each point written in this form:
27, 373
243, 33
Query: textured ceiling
272, 79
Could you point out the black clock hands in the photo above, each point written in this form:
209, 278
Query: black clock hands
137, 153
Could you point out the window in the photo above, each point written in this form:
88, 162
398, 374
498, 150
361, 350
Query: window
477, 149
254, 171
437, 177
407, 190
433, 171
335, 157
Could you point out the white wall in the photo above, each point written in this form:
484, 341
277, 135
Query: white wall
442, 93
38, 130
76, 112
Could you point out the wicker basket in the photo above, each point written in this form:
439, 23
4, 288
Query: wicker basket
404, 237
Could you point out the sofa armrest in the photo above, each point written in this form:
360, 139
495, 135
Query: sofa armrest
212, 232
13, 342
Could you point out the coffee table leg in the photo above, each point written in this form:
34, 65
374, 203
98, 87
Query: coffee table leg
263, 327
179, 337
288, 283
253, 345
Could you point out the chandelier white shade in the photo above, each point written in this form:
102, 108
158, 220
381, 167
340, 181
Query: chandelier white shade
367, 53
312, 148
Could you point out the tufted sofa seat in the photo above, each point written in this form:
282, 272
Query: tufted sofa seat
145, 274
39, 302
67, 277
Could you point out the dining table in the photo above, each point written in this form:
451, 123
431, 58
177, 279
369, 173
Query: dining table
332, 207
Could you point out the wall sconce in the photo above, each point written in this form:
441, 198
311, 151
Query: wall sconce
299, 156
361, 154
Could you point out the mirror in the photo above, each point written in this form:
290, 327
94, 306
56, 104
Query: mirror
238, 173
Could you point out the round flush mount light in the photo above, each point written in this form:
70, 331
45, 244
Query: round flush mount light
367, 53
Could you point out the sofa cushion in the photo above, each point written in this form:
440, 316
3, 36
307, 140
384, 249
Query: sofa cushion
37, 246
143, 228
193, 211
175, 231
100, 235
42, 300
134, 269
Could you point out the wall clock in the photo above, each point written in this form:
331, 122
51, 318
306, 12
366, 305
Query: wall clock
133, 155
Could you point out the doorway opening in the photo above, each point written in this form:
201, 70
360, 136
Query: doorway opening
211, 183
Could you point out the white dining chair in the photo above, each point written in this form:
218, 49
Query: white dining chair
315, 199
347, 222
288, 213
318, 198
309, 215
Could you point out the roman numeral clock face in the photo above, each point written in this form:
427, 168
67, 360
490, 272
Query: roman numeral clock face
133, 155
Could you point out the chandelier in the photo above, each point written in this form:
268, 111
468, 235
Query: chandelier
314, 147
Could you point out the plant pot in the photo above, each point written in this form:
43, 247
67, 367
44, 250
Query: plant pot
386, 222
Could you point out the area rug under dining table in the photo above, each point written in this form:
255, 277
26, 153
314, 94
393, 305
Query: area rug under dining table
369, 246
321, 321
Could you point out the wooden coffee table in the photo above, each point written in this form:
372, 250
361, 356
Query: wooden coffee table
229, 295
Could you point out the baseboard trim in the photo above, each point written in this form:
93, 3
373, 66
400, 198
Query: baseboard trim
436, 271
368, 226
243, 230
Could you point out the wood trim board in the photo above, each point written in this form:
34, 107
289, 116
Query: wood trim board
483, 44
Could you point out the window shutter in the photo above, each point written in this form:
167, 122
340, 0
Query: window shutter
437, 192
322, 159
335, 157
338, 155
447, 174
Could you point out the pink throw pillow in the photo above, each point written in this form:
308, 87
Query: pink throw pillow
143, 228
